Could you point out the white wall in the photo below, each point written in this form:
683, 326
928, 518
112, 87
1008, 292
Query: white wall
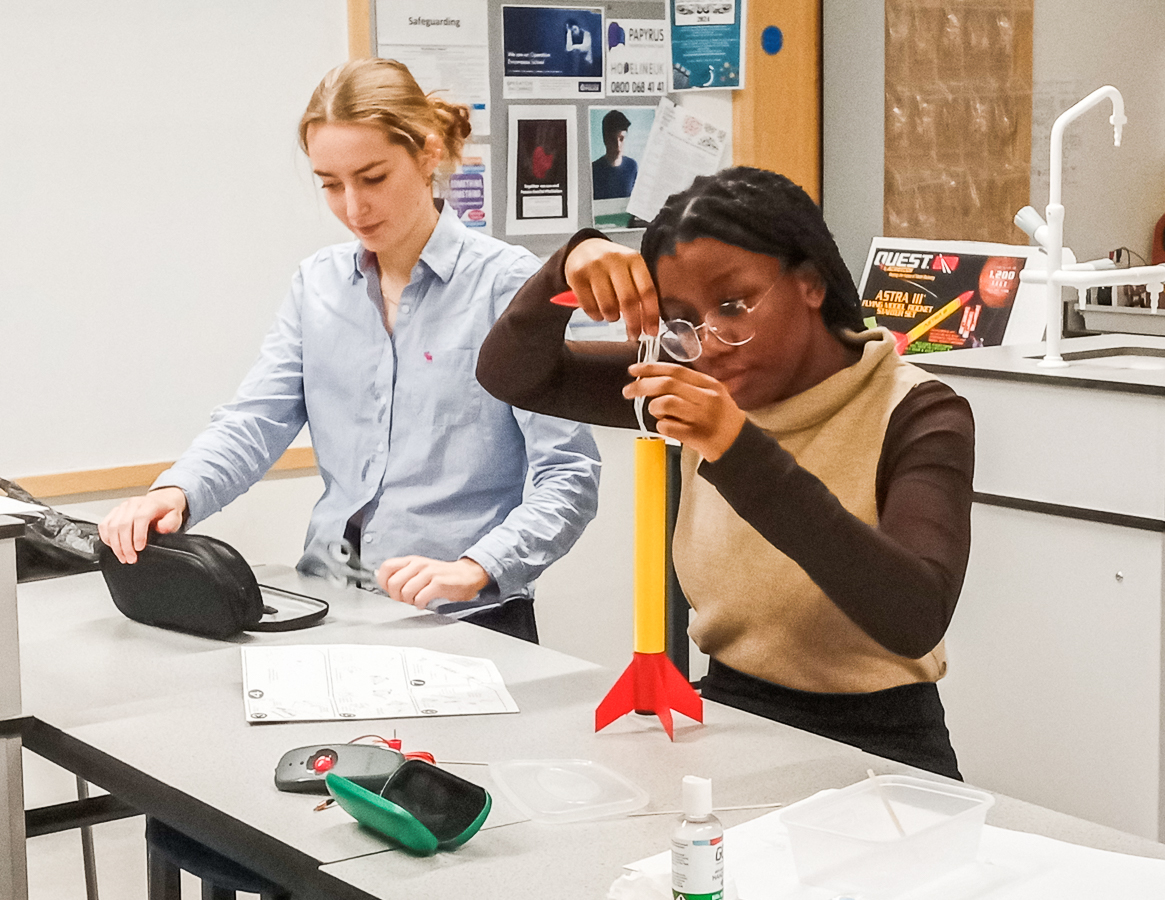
852, 96
142, 222
154, 206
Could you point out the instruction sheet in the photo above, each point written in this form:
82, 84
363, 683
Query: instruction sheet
322, 682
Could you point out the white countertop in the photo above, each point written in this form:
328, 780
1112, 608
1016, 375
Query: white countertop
1128, 363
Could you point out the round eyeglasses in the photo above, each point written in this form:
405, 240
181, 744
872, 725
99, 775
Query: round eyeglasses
730, 323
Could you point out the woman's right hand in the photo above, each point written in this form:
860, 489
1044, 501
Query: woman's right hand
127, 528
612, 282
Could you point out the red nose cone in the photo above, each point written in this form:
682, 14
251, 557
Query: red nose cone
566, 298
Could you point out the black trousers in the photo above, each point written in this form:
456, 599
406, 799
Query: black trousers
515, 617
905, 723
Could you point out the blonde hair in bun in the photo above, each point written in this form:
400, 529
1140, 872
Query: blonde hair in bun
382, 92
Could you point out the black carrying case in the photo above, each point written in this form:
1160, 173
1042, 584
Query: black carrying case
194, 583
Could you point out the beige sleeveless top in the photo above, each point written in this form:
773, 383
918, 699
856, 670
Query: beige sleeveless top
756, 609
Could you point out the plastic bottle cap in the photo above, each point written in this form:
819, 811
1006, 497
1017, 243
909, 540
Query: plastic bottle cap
697, 797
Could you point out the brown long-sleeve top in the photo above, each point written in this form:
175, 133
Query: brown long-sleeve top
897, 580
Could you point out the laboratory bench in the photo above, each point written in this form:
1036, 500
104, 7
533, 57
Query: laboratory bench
1054, 692
157, 718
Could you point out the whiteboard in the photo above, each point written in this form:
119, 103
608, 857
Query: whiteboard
153, 207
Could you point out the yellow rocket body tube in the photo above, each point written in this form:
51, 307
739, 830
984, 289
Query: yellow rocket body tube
652, 683
650, 543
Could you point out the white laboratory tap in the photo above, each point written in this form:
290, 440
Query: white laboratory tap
1050, 234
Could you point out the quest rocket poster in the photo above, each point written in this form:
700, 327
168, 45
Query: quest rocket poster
941, 300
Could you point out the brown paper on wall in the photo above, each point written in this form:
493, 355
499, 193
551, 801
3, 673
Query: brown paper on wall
957, 118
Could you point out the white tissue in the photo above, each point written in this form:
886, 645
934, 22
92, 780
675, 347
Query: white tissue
636, 885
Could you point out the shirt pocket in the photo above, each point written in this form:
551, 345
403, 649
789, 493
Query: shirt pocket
446, 386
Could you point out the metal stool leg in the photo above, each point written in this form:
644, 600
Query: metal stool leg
171, 852
164, 879
213, 892
88, 858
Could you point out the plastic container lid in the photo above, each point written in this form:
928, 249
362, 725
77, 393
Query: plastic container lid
566, 790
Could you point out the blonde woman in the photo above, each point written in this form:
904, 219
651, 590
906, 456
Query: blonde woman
375, 348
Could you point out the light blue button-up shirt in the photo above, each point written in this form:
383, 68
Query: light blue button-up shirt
400, 427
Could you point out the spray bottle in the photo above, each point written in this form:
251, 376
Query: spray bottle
697, 846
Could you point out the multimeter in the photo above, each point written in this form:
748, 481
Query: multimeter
303, 769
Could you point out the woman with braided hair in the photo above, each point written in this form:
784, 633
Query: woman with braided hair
425, 475
824, 520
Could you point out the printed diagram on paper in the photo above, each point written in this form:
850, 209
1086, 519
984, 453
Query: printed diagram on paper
355, 681
680, 147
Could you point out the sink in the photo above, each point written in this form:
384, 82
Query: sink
1144, 359
1123, 320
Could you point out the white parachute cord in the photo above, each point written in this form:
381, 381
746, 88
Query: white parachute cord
648, 353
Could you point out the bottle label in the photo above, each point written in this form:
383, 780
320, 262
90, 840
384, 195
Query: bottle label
697, 869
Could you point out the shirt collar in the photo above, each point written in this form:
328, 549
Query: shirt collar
440, 253
444, 245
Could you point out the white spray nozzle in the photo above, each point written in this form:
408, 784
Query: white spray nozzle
1032, 224
1118, 121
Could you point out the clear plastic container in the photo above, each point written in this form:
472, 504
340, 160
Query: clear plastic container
847, 841
566, 790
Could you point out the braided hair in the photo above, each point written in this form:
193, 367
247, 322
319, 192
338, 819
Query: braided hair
762, 212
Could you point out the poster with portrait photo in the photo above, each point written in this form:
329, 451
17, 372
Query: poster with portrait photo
542, 175
552, 52
618, 139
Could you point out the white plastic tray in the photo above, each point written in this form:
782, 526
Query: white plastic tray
847, 841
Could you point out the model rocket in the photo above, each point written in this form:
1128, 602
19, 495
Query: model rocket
652, 683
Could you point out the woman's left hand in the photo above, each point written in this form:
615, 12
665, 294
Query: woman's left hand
418, 580
689, 406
